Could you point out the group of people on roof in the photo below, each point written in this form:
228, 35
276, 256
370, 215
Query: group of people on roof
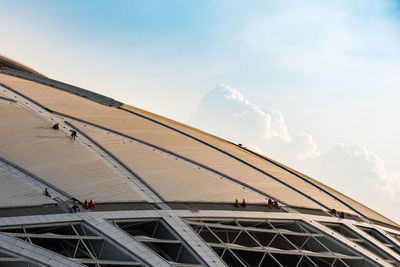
337, 214
89, 205
237, 204
271, 203
57, 127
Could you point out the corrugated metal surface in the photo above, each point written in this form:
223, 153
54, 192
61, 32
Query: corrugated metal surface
14, 192
31, 143
153, 133
174, 178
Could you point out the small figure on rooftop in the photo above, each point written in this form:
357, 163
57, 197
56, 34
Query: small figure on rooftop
46, 192
73, 134
244, 203
56, 126
341, 216
86, 204
237, 204
275, 204
333, 212
75, 207
92, 206
270, 203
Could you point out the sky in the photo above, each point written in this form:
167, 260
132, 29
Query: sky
313, 84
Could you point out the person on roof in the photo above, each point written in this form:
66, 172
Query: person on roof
237, 204
92, 206
86, 204
243, 203
341, 216
270, 203
75, 207
46, 192
275, 204
56, 126
73, 134
333, 212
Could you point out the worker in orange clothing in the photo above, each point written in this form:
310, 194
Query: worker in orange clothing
92, 206
86, 204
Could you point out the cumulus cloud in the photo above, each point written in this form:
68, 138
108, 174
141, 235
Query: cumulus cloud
310, 150
226, 112
228, 106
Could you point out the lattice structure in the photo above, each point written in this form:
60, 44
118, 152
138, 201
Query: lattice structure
160, 238
359, 239
76, 241
244, 242
380, 237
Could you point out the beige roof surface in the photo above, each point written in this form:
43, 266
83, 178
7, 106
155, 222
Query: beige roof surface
174, 178
151, 132
16, 193
275, 179
29, 142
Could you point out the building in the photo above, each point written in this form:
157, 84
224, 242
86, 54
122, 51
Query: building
164, 192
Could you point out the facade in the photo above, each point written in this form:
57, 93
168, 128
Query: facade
164, 192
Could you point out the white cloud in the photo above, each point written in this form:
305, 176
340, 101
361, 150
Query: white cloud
226, 112
311, 148
231, 112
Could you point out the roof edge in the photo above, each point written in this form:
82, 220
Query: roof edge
13, 64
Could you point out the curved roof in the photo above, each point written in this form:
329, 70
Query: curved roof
125, 154
10, 63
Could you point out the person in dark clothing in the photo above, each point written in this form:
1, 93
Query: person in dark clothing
275, 204
46, 192
243, 203
56, 126
333, 212
270, 203
341, 216
75, 207
73, 134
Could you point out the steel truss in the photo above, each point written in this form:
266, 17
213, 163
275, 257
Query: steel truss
8, 259
76, 241
381, 238
362, 241
159, 237
262, 242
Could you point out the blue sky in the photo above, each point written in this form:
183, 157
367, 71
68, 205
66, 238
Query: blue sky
316, 82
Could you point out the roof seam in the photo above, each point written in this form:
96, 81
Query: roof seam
93, 96
228, 154
173, 154
117, 160
37, 178
145, 143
